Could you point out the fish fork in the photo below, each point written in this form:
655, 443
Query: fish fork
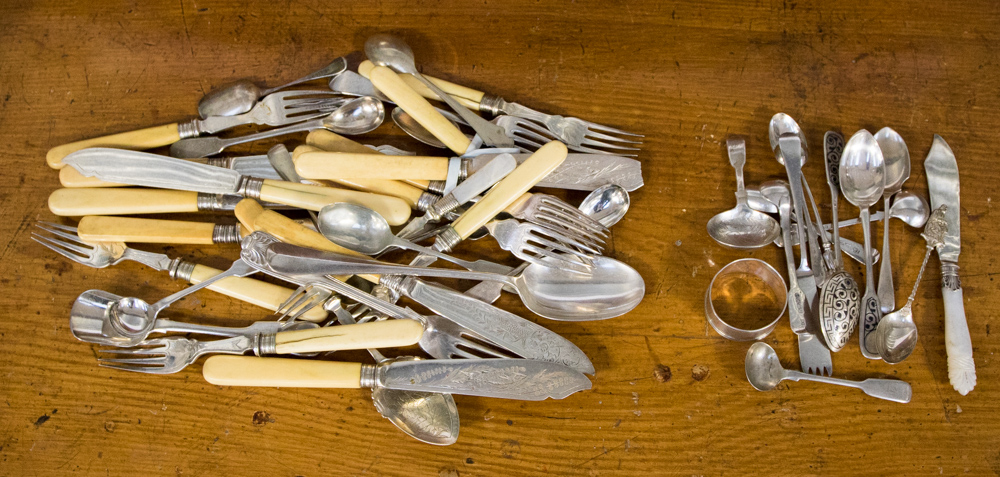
171, 354
64, 240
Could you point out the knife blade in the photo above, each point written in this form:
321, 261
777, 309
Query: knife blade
582, 171
256, 166
523, 379
480, 180
152, 170
943, 186
520, 379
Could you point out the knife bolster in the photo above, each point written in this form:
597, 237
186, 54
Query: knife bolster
949, 276
447, 239
491, 104
250, 187
369, 375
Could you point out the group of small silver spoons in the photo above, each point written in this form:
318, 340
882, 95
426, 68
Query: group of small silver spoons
867, 168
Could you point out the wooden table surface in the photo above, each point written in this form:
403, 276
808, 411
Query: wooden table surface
669, 396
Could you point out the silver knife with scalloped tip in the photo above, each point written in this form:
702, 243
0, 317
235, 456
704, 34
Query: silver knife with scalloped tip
521, 379
942, 183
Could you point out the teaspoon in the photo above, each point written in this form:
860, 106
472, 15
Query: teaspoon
742, 227
897, 170
241, 96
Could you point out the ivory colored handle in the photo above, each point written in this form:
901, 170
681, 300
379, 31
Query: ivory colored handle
389, 83
395, 210
263, 294
128, 229
511, 188
78, 202
958, 342
345, 165
280, 372
333, 142
140, 139
376, 334
254, 217
467, 97
70, 177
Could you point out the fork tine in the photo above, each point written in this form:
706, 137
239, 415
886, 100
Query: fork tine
317, 297
62, 232
561, 254
125, 368
596, 135
591, 150
559, 240
157, 350
136, 361
67, 228
590, 142
558, 207
296, 299
601, 127
555, 259
63, 248
584, 224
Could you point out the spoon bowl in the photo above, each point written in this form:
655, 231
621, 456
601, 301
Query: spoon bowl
895, 338
780, 124
356, 228
428, 417
606, 204
763, 368
108, 319
357, 116
896, 157
235, 98
415, 130
911, 208
387, 50
743, 228
862, 170
612, 289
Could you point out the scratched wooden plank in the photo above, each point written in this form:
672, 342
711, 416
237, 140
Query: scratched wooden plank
669, 396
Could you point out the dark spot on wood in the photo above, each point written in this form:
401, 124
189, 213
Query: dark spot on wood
469, 459
351, 408
699, 372
662, 373
109, 426
510, 422
261, 418
42, 420
617, 424
510, 449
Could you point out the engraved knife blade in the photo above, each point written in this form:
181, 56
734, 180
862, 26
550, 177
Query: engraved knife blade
522, 379
582, 171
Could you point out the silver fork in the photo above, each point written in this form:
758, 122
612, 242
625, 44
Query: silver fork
550, 248
552, 212
276, 109
572, 133
171, 354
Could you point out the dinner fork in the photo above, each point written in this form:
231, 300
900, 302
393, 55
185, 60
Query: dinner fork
534, 244
169, 355
64, 240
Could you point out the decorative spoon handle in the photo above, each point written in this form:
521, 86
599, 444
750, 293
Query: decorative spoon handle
888, 389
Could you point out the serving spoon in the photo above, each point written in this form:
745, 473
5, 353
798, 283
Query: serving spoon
897, 170
764, 371
241, 96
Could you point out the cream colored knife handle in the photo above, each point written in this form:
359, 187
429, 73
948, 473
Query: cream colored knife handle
79, 202
389, 83
958, 342
280, 372
375, 334
70, 177
511, 188
467, 97
345, 165
310, 197
263, 294
410, 194
95, 228
138, 140
333, 142
256, 218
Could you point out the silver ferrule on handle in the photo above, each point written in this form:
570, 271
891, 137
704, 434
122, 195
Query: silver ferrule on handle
189, 129
368, 376
265, 344
446, 240
426, 201
949, 276
492, 104
226, 233
250, 187
207, 202
224, 162
436, 187
181, 270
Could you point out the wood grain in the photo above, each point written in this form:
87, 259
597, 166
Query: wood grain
669, 395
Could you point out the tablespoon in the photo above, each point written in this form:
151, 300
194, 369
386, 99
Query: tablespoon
897, 170
896, 335
742, 227
357, 116
764, 372
387, 50
862, 180
241, 96
363, 230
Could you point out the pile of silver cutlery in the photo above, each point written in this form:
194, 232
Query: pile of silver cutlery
342, 258
824, 301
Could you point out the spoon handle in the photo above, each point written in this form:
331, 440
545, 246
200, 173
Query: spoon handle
239, 269
869, 303
889, 389
259, 327
796, 297
477, 266
886, 289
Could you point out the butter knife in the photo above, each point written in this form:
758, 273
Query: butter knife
942, 182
